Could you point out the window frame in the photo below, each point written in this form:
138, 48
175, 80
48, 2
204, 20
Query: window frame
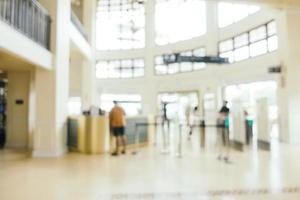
249, 43
115, 10
121, 68
180, 71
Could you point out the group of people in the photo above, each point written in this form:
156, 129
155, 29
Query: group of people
194, 118
118, 122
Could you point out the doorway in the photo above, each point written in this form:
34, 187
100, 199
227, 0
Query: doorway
14, 109
250, 94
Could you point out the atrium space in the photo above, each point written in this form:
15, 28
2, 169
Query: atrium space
149, 99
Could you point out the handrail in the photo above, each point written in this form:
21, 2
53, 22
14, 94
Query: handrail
78, 25
28, 17
40, 7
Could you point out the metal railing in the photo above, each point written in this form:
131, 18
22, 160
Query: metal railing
78, 25
28, 17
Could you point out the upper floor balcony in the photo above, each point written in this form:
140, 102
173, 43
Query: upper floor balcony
77, 23
29, 18
79, 36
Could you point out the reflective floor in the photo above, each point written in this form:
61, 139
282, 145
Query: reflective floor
151, 174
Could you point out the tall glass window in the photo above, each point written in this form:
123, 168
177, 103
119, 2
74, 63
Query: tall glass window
177, 20
229, 13
120, 25
127, 68
162, 69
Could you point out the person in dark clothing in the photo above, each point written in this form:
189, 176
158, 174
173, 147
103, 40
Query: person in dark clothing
223, 129
225, 110
164, 111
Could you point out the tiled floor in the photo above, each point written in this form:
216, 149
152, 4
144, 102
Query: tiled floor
153, 175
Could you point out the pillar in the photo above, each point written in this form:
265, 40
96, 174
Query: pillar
88, 69
52, 87
289, 87
149, 94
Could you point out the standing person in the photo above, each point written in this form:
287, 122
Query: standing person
196, 119
223, 129
249, 128
164, 111
117, 123
187, 114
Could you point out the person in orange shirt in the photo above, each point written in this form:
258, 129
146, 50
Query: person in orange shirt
117, 123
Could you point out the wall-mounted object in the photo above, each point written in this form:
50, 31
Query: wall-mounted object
19, 102
275, 70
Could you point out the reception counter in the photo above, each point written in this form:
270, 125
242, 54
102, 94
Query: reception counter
88, 134
91, 134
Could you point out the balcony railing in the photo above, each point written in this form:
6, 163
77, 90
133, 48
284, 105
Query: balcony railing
28, 17
78, 25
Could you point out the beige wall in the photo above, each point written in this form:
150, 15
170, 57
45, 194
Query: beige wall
78, 11
76, 65
17, 115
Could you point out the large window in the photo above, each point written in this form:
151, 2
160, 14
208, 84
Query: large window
120, 25
229, 13
131, 103
253, 43
161, 68
177, 20
127, 68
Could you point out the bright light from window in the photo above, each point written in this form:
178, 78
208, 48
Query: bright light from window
177, 20
241, 53
74, 106
120, 25
131, 103
273, 43
253, 43
127, 68
258, 48
229, 13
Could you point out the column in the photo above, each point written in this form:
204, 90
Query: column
52, 87
88, 70
149, 95
289, 86
212, 28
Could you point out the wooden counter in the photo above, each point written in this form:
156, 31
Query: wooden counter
88, 134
